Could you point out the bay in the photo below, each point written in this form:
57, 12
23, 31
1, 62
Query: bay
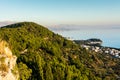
110, 37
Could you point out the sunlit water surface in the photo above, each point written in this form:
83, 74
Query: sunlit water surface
110, 37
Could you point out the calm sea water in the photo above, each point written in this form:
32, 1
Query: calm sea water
110, 37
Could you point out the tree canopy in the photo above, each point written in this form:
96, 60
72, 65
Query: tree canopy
44, 55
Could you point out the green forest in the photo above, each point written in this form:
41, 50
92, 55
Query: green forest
44, 55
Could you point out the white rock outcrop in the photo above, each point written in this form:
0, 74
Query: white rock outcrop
8, 69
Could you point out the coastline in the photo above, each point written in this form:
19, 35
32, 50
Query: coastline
95, 45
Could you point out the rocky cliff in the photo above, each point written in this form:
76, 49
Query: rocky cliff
8, 68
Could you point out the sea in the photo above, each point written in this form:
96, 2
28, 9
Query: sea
109, 36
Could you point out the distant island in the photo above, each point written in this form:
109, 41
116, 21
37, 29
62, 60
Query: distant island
90, 42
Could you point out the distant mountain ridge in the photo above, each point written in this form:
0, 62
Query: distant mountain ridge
4, 23
65, 27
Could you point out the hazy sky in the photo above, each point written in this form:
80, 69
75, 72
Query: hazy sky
80, 12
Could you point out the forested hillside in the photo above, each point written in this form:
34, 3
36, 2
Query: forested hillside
44, 55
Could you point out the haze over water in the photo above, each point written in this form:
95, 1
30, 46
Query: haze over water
109, 36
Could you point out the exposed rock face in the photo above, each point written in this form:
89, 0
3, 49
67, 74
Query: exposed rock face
8, 68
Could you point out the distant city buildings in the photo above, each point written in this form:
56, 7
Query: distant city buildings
107, 50
95, 45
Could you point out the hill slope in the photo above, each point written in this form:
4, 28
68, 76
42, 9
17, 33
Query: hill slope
44, 55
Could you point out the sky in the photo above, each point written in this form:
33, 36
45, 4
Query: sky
51, 12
